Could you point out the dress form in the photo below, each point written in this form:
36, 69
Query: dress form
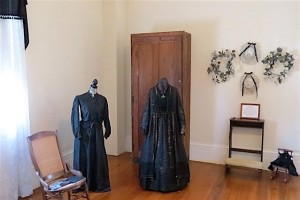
163, 85
93, 87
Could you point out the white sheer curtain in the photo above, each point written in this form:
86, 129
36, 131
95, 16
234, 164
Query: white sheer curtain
15, 164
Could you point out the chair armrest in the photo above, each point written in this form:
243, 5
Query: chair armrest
43, 183
73, 171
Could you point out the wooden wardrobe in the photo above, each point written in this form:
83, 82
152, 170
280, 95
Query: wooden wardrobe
155, 56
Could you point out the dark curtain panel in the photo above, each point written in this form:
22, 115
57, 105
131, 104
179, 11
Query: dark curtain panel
16, 8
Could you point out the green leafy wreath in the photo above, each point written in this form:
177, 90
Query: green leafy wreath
218, 75
278, 56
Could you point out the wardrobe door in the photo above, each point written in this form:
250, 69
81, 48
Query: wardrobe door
155, 56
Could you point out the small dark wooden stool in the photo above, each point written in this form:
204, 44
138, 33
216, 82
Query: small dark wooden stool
277, 168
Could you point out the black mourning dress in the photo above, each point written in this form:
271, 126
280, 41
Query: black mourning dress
89, 150
164, 165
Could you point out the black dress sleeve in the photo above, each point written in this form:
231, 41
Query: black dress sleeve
146, 115
75, 118
180, 112
106, 121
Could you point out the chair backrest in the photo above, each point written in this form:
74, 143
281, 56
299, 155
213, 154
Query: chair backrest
289, 151
45, 155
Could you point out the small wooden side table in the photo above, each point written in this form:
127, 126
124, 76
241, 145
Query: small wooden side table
245, 123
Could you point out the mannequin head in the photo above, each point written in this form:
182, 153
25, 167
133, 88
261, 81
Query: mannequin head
163, 85
93, 87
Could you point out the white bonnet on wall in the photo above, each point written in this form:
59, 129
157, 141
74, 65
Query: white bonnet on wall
249, 53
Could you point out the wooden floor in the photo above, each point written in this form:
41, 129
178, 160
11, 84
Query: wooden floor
208, 182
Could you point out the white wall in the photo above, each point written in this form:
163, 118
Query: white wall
114, 26
67, 46
73, 42
217, 26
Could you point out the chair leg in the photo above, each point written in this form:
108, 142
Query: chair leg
286, 175
274, 172
87, 191
44, 194
69, 195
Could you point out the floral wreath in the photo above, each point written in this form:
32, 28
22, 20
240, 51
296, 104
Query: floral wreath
279, 56
219, 76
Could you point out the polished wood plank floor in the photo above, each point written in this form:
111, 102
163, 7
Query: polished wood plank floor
208, 182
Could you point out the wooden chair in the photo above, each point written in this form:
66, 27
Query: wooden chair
277, 168
56, 178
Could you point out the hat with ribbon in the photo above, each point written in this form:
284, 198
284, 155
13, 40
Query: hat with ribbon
249, 54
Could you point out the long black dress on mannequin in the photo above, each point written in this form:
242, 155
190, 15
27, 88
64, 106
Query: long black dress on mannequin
164, 165
89, 112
